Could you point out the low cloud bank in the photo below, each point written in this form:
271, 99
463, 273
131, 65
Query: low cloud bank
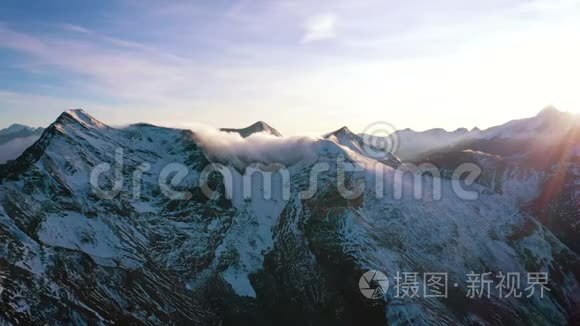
12, 149
264, 148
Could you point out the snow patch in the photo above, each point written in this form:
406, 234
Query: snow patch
74, 231
239, 282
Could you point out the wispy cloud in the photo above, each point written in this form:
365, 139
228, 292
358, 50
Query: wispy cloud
320, 27
114, 67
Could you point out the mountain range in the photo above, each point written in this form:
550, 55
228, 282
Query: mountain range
146, 256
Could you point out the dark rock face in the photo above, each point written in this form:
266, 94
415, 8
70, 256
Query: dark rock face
69, 256
257, 127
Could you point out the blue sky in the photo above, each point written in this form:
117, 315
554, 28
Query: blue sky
302, 66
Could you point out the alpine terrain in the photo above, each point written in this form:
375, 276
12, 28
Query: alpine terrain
102, 226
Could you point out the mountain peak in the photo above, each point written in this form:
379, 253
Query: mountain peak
260, 124
355, 142
79, 116
18, 126
551, 116
341, 131
15, 128
552, 113
257, 127
549, 110
344, 129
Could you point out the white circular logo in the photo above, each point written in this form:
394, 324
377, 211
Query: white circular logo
373, 285
380, 139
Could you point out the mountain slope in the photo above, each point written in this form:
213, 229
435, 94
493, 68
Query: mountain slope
533, 161
84, 245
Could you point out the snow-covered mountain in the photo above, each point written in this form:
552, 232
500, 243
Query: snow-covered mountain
548, 124
413, 144
518, 137
533, 161
146, 256
15, 139
356, 143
